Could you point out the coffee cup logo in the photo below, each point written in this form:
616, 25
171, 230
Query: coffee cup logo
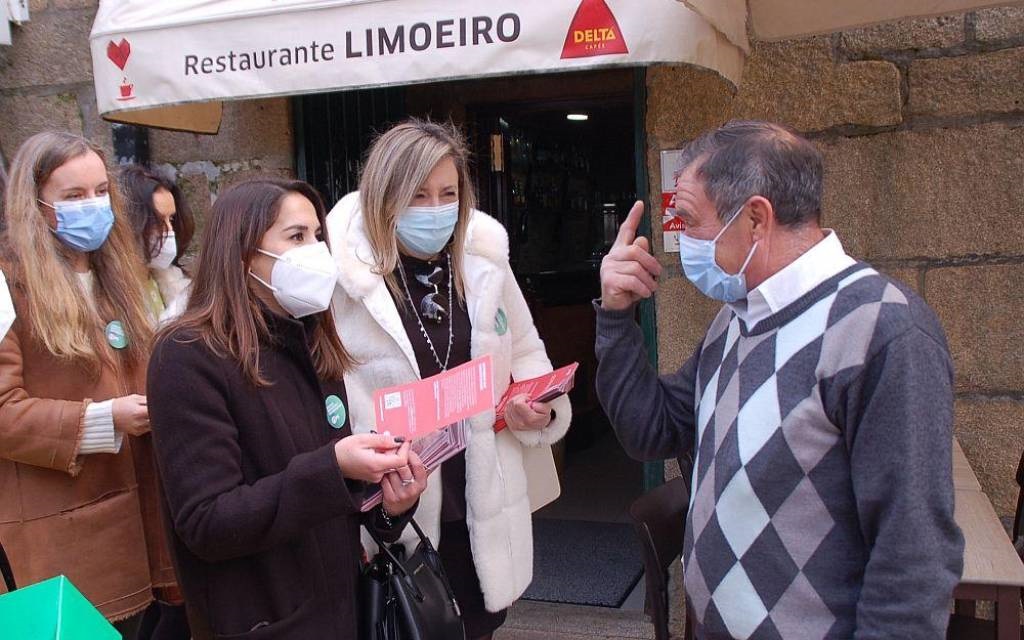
127, 90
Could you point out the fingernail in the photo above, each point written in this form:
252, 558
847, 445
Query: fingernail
399, 439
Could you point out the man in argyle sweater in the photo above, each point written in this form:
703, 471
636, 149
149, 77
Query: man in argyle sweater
818, 408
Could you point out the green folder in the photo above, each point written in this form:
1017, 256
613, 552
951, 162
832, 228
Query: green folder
52, 610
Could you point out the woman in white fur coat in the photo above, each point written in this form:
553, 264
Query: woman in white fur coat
426, 285
163, 224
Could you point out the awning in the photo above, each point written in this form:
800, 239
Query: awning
15, 11
169, 63
780, 19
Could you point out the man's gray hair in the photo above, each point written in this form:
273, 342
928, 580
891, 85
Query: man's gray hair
746, 158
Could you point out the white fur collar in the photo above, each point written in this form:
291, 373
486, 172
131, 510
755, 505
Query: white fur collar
171, 281
485, 237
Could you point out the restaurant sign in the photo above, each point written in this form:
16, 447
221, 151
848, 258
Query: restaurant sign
155, 53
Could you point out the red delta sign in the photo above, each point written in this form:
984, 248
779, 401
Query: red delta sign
594, 31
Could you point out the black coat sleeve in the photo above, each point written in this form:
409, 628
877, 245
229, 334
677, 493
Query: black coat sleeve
215, 512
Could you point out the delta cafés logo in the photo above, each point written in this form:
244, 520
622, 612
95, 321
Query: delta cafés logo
594, 32
118, 53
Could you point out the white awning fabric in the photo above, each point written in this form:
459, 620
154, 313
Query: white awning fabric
169, 63
15, 11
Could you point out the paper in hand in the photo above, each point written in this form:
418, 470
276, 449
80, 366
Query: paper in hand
419, 408
433, 450
433, 414
544, 388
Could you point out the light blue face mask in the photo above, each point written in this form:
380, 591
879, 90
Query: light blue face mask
83, 224
700, 266
426, 230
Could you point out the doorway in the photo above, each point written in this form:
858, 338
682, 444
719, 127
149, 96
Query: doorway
561, 181
559, 175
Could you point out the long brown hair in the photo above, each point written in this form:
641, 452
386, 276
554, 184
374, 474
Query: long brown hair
399, 161
137, 185
224, 310
62, 317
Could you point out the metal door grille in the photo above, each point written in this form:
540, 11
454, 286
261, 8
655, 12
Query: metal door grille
334, 130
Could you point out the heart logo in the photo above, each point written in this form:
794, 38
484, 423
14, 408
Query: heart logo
118, 53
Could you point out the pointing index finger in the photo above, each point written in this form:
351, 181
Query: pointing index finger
627, 232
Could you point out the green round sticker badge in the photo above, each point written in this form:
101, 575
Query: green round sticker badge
336, 413
501, 322
116, 336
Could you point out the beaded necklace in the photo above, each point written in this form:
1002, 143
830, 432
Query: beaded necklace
423, 330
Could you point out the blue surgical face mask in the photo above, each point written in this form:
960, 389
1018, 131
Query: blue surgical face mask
83, 224
426, 230
700, 266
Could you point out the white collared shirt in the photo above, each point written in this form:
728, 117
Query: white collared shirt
822, 261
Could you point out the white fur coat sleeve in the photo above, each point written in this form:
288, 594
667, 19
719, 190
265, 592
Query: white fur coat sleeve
529, 360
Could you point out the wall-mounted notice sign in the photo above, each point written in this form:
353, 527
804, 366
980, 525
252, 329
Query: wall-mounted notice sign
670, 224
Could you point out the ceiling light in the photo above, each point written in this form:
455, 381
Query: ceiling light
578, 117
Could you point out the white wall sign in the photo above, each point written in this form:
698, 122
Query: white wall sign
670, 224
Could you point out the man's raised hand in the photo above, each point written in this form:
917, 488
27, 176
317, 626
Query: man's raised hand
629, 273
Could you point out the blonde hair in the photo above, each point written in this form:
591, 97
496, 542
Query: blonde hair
61, 316
398, 163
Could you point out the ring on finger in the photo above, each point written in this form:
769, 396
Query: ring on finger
406, 483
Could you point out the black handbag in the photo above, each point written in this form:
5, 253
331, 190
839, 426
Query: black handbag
408, 598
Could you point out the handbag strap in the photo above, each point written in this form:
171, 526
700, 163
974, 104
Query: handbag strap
399, 566
416, 527
387, 551
419, 532
5, 568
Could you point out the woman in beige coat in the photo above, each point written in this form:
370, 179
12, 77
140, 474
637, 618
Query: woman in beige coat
77, 484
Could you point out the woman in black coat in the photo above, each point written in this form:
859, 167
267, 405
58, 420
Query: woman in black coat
262, 478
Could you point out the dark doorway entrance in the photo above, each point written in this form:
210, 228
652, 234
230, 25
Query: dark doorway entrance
561, 186
559, 174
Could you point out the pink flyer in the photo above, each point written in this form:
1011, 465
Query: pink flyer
420, 408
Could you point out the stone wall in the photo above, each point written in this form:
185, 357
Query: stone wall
46, 83
922, 125
46, 76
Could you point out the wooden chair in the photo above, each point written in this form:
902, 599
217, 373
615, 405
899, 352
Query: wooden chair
659, 518
968, 627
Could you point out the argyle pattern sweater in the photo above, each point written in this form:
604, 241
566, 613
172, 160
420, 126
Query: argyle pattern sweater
822, 496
